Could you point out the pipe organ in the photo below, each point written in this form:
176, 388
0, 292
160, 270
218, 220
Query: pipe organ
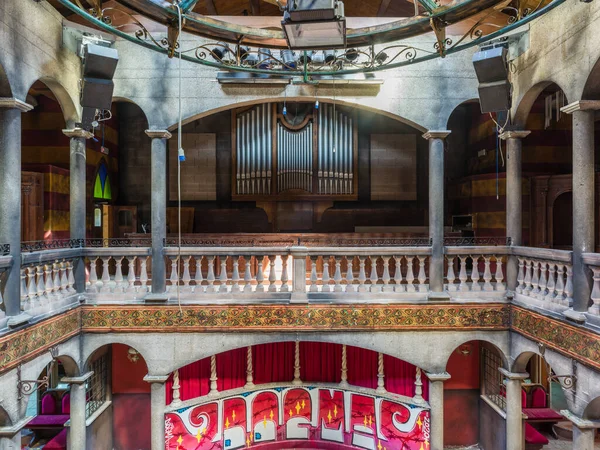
307, 156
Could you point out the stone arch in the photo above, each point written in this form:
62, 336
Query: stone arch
465, 102
132, 102
592, 410
4, 418
88, 353
524, 104
5, 89
591, 89
68, 106
488, 342
299, 99
70, 365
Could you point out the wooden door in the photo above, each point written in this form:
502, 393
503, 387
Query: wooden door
32, 206
125, 220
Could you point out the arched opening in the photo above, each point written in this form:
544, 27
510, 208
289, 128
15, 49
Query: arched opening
562, 230
542, 399
49, 405
266, 394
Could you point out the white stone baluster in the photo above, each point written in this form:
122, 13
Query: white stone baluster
528, 276
131, 274
235, 275
325, 280
499, 275
487, 274
174, 278
64, 278
595, 296
520, 277
337, 276
186, 277
40, 285
198, 288
385, 277
285, 286
260, 276
475, 275
25, 302
462, 275
56, 287
422, 278
313, 274
48, 285
374, 277
569, 287
450, 275
70, 276
272, 274
543, 280
398, 286
350, 274
247, 273
362, 277
105, 280
93, 280
223, 274
210, 276
31, 287
535, 279
143, 274
560, 284
118, 274
551, 282
410, 276
418, 397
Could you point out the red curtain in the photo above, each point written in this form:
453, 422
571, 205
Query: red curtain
274, 363
320, 362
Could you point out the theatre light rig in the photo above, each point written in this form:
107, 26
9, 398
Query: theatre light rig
313, 24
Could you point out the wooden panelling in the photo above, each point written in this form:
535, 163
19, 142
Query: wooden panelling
393, 167
32, 206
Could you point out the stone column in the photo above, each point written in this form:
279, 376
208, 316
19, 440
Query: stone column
583, 202
514, 199
514, 409
436, 213
583, 431
77, 204
158, 163
10, 200
436, 401
158, 400
77, 429
299, 255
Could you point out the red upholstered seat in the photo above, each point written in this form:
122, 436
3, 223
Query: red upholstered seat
48, 421
48, 404
538, 397
542, 414
66, 403
523, 398
58, 442
533, 436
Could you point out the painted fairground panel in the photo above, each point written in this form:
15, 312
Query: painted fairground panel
280, 417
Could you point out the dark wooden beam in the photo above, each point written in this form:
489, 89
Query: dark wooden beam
210, 6
383, 6
254, 7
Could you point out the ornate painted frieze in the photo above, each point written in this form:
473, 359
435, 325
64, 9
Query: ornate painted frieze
293, 317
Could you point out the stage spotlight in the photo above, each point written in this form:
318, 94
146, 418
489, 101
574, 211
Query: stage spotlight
329, 56
351, 54
305, 57
381, 57
318, 58
220, 50
243, 52
288, 58
264, 58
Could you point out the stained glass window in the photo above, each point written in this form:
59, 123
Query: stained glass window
102, 188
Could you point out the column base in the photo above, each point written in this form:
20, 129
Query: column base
157, 298
17, 321
299, 297
438, 296
575, 316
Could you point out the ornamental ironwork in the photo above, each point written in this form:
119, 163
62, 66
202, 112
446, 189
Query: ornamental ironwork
477, 241
247, 49
4, 249
28, 387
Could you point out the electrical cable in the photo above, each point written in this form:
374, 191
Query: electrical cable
179, 159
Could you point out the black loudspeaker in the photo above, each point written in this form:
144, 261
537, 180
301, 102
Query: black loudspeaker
491, 68
99, 62
88, 115
495, 96
96, 93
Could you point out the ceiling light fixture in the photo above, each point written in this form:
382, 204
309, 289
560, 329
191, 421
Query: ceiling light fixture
311, 24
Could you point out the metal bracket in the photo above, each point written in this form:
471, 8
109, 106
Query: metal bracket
439, 28
28, 387
567, 382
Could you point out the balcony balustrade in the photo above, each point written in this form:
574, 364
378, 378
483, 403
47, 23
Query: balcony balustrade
119, 272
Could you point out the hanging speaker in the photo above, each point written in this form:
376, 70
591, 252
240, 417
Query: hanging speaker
99, 61
96, 93
495, 96
491, 68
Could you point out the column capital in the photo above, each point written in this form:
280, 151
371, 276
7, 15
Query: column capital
514, 134
77, 380
581, 105
436, 134
13, 103
513, 375
78, 133
580, 423
159, 134
442, 376
158, 379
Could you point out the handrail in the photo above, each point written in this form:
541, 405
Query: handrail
6, 261
476, 250
543, 253
50, 255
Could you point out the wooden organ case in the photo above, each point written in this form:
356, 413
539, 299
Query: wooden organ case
309, 154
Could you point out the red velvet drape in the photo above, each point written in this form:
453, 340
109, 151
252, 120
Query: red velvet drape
274, 363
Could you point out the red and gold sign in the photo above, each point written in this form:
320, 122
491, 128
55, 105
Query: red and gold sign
299, 416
